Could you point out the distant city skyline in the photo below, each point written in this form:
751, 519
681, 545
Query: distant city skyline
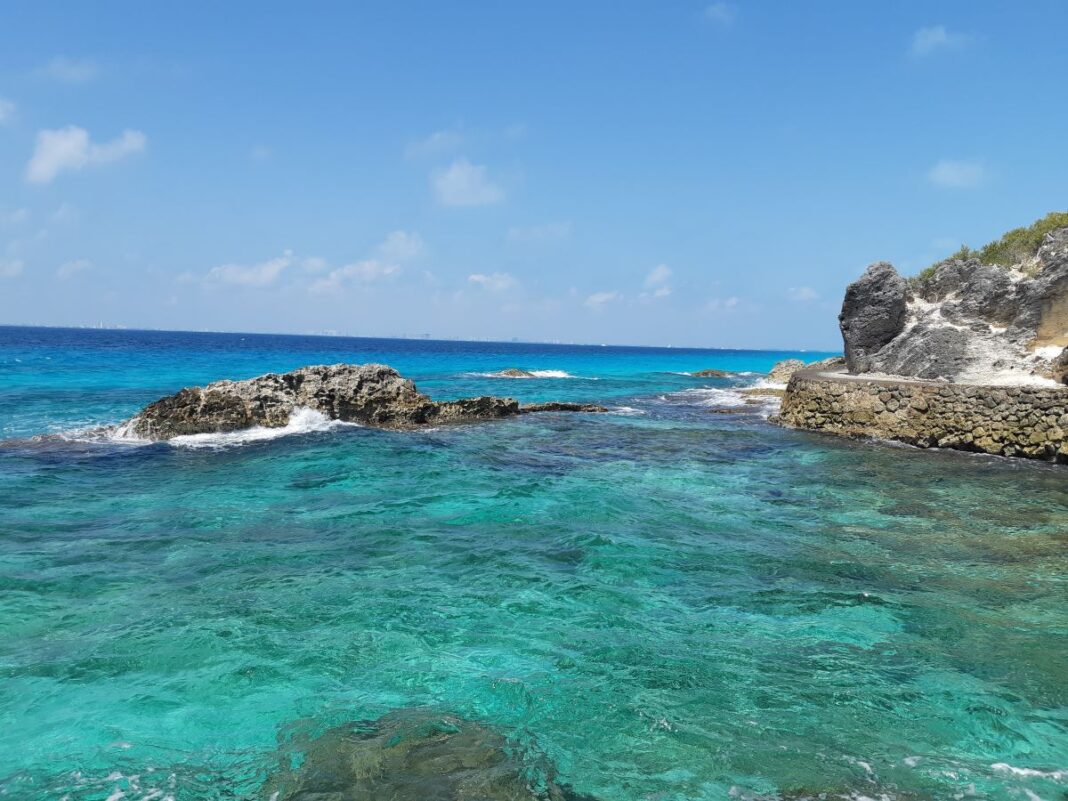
683, 174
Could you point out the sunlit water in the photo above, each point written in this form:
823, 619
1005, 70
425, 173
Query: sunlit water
664, 602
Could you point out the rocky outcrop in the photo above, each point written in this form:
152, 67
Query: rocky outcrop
712, 373
964, 320
873, 313
369, 394
413, 755
1025, 421
561, 406
780, 373
515, 372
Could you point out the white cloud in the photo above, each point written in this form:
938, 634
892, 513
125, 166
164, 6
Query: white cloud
256, 275
722, 304
957, 174
435, 144
722, 14
549, 232
930, 40
7, 111
494, 282
68, 70
465, 184
314, 264
70, 148
658, 276
10, 268
72, 268
598, 300
365, 272
401, 246
802, 294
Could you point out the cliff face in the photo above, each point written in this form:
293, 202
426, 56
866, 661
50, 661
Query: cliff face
966, 321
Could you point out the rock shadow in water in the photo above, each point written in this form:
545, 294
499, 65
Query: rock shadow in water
414, 755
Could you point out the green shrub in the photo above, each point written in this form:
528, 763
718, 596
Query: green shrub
1022, 243
1017, 245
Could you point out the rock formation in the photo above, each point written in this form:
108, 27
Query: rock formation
712, 373
369, 394
515, 372
414, 755
780, 373
965, 319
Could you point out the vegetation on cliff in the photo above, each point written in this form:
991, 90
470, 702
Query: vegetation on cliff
1014, 247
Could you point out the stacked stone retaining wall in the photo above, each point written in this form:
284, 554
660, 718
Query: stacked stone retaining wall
1030, 422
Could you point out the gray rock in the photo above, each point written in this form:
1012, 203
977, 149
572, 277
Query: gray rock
967, 321
1059, 367
833, 363
414, 755
782, 371
873, 313
370, 394
561, 406
515, 372
712, 373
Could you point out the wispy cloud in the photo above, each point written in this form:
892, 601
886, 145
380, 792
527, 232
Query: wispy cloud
951, 174
10, 268
261, 153
443, 141
494, 282
70, 149
367, 271
255, 275
937, 38
71, 268
7, 111
530, 234
598, 300
722, 304
656, 283
401, 246
802, 294
69, 70
465, 184
722, 14
15, 217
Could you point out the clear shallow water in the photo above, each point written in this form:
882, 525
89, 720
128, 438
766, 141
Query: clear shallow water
666, 603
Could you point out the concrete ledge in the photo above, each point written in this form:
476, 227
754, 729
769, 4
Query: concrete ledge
1029, 422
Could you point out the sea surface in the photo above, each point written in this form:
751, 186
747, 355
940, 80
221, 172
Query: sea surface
664, 602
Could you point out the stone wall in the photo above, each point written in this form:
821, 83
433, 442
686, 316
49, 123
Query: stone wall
1031, 422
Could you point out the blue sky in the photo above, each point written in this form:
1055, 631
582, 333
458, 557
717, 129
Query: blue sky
643, 173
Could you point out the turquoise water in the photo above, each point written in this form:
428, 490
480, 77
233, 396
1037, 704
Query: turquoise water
665, 602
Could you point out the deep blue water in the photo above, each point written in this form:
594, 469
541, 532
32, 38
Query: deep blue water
664, 602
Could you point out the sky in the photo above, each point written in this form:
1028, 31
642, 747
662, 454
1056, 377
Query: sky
651, 173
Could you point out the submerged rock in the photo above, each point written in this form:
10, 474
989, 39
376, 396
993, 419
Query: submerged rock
369, 394
712, 373
515, 372
415, 755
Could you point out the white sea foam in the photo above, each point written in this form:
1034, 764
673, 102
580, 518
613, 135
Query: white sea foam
1031, 773
301, 421
533, 374
627, 411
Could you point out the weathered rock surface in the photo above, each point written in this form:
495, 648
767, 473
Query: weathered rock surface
1027, 421
415, 755
781, 371
873, 313
369, 394
561, 406
966, 321
712, 373
515, 372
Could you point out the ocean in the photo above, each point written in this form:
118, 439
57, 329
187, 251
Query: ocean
661, 602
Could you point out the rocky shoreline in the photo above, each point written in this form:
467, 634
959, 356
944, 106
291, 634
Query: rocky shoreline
970, 355
369, 394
